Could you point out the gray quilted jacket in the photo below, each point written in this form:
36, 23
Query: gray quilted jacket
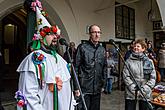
136, 67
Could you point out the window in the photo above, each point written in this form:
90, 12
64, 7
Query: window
157, 25
125, 22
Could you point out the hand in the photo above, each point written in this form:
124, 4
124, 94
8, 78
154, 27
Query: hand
112, 66
77, 93
59, 83
146, 90
144, 93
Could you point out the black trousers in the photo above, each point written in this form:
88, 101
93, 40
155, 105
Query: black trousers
1, 107
131, 105
92, 102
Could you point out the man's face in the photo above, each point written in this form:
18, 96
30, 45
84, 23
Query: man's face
95, 33
72, 45
51, 40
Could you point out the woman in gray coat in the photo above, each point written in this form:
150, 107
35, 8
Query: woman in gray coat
142, 68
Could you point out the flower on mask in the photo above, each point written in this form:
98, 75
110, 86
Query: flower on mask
54, 29
35, 37
48, 30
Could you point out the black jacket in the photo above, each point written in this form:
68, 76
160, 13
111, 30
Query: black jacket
91, 66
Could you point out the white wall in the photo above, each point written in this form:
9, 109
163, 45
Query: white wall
76, 15
80, 13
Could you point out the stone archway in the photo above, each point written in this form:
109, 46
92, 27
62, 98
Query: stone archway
13, 48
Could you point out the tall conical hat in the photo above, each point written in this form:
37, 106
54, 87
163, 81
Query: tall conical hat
41, 20
43, 26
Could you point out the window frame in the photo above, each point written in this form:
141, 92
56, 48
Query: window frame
124, 22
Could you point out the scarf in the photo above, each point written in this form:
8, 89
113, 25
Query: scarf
147, 64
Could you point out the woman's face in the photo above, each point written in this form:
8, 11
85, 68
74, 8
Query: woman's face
138, 48
149, 45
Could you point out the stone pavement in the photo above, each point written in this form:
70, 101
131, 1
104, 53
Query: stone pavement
113, 101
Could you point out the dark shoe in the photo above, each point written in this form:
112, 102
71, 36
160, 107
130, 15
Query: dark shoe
163, 80
1, 107
109, 92
105, 92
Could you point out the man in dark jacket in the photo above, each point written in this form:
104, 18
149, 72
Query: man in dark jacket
91, 66
72, 52
129, 52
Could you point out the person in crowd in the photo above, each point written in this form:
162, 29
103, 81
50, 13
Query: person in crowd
44, 82
72, 52
142, 68
91, 66
128, 53
161, 61
29, 48
110, 68
150, 50
152, 55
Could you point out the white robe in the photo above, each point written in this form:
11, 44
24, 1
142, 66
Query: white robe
42, 99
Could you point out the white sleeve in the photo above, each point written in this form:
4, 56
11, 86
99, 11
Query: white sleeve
29, 86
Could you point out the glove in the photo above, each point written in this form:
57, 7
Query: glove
145, 90
132, 87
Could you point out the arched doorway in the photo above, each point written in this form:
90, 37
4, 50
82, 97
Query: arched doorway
13, 49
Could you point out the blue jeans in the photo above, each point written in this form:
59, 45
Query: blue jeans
162, 72
109, 85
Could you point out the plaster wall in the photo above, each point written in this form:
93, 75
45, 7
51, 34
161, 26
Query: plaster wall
73, 17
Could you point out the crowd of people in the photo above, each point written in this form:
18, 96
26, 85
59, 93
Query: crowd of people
93, 65
45, 75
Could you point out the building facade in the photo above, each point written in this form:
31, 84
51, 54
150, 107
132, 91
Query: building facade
73, 18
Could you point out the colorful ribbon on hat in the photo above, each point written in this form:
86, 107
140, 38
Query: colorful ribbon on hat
36, 3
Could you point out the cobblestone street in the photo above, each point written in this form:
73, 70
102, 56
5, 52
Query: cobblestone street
113, 101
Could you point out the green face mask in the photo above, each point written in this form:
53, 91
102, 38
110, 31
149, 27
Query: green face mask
36, 44
45, 42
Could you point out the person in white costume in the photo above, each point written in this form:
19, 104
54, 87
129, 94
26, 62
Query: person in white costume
44, 82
